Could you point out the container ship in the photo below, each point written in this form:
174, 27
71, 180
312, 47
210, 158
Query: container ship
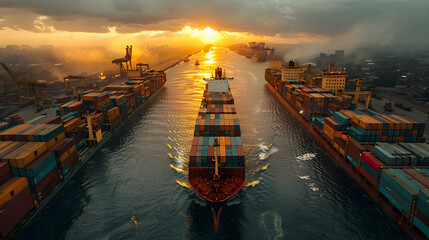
216, 161
386, 154
39, 157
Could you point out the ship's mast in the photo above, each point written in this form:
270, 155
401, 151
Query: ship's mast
216, 146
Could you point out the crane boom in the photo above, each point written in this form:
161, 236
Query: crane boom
29, 89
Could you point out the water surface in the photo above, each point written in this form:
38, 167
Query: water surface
135, 187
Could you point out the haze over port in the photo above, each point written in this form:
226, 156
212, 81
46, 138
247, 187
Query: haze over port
89, 34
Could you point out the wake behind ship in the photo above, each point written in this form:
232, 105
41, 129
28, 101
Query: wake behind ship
216, 160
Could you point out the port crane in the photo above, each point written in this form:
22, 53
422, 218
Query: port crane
358, 92
125, 62
259, 51
71, 78
28, 91
82, 85
142, 66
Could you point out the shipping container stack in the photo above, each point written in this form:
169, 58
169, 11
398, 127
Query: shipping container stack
113, 117
16, 202
273, 76
66, 155
39, 132
217, 118
386, 128
70, 124
73, 106
97, 101
10, 121
315, 104
35, 156
388, 151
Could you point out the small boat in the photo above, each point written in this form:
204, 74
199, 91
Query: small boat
197, 62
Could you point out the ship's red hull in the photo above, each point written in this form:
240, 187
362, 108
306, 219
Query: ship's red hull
216, 191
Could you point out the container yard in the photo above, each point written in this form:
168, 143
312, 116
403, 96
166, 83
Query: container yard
386, 154
39, 156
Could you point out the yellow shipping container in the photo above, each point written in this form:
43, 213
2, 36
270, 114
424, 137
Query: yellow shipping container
406, 123
222, 151
329, 131
339, 149
56, 139
222, 141
396, 124
67, 153
25, 154
12, 188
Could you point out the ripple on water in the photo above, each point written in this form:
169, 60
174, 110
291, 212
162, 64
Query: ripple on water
134, 176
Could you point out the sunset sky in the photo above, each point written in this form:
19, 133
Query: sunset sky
345, 24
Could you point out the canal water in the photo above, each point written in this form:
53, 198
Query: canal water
136, 185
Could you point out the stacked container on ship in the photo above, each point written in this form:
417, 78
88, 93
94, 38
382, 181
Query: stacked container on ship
385, 153
216, 160
38, 157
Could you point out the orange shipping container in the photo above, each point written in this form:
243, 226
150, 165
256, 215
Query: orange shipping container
9, 133
222, 141
56, 139
5, 144
330, 132
25, 154
12, 188
222, 151
4, 149
67, 153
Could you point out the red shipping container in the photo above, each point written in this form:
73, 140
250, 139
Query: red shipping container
71, 161
240, 150
54, 120
340, 142
354, 149
62, 146
372, 161
14, 211
195, 141
368, 176
47, 183
5, 173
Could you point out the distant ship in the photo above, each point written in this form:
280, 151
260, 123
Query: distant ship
208, 48
186, 59
197, 62
216, 161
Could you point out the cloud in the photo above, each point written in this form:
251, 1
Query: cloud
406, 20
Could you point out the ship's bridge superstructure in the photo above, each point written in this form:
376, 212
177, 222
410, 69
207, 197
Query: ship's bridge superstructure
218, 83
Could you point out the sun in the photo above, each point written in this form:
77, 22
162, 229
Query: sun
209, 35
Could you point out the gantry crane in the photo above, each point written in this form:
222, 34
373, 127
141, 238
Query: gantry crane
28, 90
79, 91
358, 92
71, 78
126, 60
142, 66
